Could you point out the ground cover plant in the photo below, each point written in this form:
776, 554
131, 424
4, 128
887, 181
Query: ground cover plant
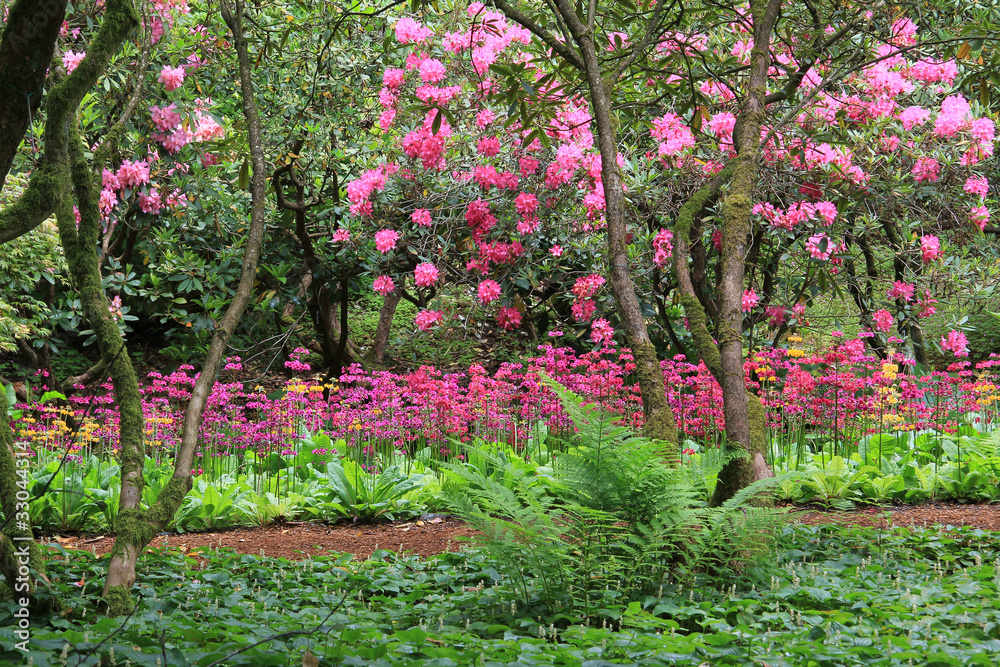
834, 596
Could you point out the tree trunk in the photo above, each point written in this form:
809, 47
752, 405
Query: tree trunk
17, 543
137, 528
29, 38
745, 416
385, 315
659, 422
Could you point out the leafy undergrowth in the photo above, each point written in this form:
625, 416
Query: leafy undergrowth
837, 596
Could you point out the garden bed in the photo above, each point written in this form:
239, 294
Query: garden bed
300, 540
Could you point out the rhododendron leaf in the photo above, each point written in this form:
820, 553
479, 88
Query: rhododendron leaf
244, 178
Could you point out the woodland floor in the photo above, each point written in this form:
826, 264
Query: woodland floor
297, 541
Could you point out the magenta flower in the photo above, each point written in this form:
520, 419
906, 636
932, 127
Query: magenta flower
385, 240
426, 319
883, 319
171, 77
425, 275
489, 290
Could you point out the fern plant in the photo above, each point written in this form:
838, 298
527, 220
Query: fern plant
620, 519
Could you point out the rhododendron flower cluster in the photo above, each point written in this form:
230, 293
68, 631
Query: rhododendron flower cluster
663, 247
426, 319
383, 285
926, 169
425, 275
750, 300
172, 78
509, 318
488, 290
930, 248
901, 290
601, 331
385, 240
883, 319
70, 60
956, 342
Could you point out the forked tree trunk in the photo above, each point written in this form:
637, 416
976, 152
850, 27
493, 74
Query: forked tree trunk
137, 528
745, 415
659, 418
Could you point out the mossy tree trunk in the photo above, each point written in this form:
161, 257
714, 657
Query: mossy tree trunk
17, 543
137, 528
47, 189
659, 418
745, 415
30, 32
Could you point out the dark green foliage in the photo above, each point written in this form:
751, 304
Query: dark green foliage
856, 597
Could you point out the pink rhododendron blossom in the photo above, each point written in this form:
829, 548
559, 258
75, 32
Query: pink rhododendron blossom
820, 247
425, 275
957, 343
587, 286
426, 319
393, 77
131, 174
422, 217
70, 60
107, 201
601, 331
673, 134
484, 118
488, 146
583, 310
409, 31
526, 203
901, 290
176, 140
385, 240
883, 320
979, 216
165, 118
978, 186
926, 169
383, 285
925, 305
912, 117
150, 202
930, 248
663, 247
750, 300
341, 235
432, 70
509, 318
556, 251
172, 78
489, 290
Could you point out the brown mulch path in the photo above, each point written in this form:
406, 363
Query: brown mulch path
986, 517
297, 541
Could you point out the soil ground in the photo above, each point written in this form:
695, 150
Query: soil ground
297, 541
